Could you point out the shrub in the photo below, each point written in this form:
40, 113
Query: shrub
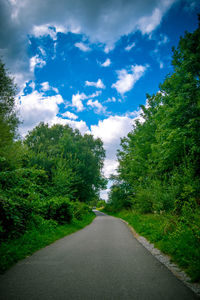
14, 216
23, 184
80, 209
59, 209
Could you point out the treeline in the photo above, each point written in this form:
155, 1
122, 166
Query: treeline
54, 173
157, 189
159, 163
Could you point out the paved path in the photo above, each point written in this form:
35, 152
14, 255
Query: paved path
102, 261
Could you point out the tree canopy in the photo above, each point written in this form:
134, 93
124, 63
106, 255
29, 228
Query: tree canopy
160, 158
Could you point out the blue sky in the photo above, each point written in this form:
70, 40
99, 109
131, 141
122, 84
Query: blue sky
89, 64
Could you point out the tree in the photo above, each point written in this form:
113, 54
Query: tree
8, 117
160, 159
72, 162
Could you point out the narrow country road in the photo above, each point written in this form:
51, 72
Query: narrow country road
102, 261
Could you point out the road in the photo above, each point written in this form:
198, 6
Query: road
102, 261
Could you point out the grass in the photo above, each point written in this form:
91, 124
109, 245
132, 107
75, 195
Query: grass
40, 234
172, 235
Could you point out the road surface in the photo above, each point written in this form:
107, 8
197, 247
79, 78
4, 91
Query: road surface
102, 261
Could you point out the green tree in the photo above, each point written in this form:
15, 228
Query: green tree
159, 161
8, 120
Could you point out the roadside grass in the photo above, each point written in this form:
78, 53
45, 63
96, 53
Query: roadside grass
172, 235
40, 234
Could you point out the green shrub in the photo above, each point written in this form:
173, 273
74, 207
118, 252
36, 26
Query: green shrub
23, 183
14, 216
144, 201
59, 209
80, 209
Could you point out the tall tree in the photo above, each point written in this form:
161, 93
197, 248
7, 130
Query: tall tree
8, 116
163, 152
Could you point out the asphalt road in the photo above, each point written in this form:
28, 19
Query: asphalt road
102, 261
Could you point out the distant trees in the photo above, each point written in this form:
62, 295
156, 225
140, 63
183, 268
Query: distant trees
72, 162
159, 164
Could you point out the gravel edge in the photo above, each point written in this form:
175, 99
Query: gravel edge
165, 260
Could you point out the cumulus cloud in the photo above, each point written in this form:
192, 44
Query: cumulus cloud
112, 99
69, 115
35, 108
129, 47
99, 84
80, 125
83, 47
99, 108
102, 21
110, 130
126, 80
106, 63
77, 101
46, 87
36, 61
44, 30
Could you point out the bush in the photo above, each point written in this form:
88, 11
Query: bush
80, 209
14, 216
59, 209
23, 184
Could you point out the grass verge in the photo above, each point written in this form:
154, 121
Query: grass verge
172, 235
40, 234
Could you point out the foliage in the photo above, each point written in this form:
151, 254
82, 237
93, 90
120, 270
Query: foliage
101, 203
159, 159
8, 118
14, 217
46, 178
57, 208
72, 162
80, 209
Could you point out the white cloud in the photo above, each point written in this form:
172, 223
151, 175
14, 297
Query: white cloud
110, 130
126, 80
112, 99
108, 48
36, 61
161, 65
35, 108
129, 47
32, 85
70, 115
148, 23
44, 30
46, 87
164, 39
99, 84
101, 21
106, 63
83, 47
77, 101
99, 108
42, 51
80, 125
94, 95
